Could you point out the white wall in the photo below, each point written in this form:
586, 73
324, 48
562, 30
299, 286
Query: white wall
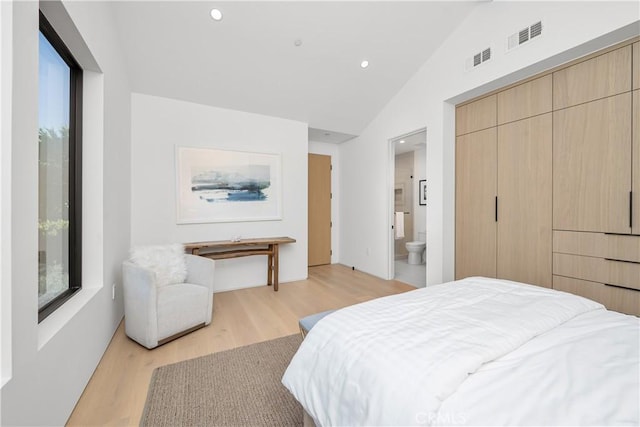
159, 124
571, 29
51, 362
333, 150
6, 65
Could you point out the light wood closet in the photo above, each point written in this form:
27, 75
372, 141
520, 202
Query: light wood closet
548, 180
503, 180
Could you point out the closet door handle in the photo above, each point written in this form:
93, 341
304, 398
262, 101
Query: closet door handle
496, 209
619, 286
630, 209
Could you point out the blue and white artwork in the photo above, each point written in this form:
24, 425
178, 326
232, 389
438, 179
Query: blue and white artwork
223, 186
228, 184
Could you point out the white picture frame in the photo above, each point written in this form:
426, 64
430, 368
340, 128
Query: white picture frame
227, 186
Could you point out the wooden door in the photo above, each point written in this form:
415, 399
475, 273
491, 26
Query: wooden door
604, 75
525, 100
319, 209
524, 201
636, 65
591, 166
636, 160
636, 139
476, 115
475, 204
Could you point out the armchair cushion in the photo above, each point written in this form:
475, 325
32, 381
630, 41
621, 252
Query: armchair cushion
167, 261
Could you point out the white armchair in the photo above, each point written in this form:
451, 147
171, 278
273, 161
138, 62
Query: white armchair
157, 312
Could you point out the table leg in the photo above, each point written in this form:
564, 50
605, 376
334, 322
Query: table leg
275, 267
270, 266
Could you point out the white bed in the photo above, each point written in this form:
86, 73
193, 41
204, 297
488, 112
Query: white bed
472, 352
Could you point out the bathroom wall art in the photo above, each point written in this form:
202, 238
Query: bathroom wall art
422, 192
227, 186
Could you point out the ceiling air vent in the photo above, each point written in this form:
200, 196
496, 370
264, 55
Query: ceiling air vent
478, 59
523, 36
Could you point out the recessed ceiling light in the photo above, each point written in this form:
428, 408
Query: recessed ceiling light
297, 42
364, 64
216, 15
402, 141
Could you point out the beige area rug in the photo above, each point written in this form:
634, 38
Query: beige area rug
239, 387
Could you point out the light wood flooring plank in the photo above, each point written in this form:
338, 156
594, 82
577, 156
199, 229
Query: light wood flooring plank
117, 391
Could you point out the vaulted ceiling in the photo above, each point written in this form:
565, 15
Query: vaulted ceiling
298, 60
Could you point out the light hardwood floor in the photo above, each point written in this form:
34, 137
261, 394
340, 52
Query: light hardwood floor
117, 390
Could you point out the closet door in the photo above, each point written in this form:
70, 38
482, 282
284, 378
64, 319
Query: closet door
591, 166
525, 100
636, 65
475, 204
605, 75
636, 160
524, 200
636, 138
477, 115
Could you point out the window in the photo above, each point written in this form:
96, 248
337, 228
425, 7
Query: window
59, 172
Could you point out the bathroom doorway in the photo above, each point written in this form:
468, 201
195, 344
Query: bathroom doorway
407, 208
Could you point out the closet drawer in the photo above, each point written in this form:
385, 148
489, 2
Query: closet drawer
613, 246
623, 248
617, 273
616, 299
580, 267
580, 243
625, 274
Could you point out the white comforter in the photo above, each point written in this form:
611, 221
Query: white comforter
476, 351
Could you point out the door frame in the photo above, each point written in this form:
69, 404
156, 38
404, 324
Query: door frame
391, 178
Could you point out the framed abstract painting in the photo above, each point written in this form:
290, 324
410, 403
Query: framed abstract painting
227, 186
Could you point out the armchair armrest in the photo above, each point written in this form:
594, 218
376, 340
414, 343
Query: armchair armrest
140, 303
200, 270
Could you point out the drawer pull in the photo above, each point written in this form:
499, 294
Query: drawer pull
622, 260
621, 287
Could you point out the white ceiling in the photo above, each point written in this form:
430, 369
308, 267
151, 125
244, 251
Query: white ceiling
248, 61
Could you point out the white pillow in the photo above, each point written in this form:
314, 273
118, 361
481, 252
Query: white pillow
166, 260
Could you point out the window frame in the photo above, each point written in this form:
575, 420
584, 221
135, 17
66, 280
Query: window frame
75, 169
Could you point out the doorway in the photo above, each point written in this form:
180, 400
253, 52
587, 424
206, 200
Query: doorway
407, 209
319, 210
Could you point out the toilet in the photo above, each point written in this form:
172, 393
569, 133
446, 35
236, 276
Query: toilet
417, 249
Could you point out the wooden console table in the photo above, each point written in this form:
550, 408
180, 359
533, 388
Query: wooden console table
224, 249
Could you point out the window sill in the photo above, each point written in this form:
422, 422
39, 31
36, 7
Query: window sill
54, 323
